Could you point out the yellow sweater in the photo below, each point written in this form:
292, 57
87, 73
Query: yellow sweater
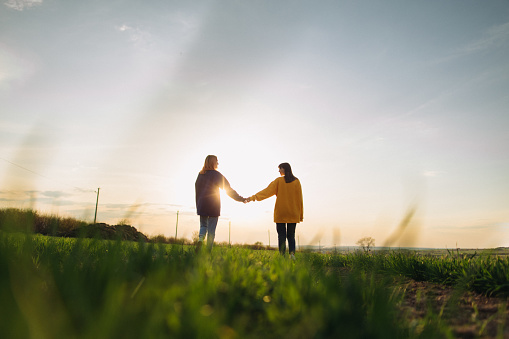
289, 205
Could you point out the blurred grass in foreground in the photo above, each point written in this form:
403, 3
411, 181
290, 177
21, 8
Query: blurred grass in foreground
85, 288
89, 288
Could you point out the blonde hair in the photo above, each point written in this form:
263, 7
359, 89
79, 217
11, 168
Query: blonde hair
210, 164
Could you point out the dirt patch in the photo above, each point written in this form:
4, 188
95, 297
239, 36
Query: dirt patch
107, 232
468, 314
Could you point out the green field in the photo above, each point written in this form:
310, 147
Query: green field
56, 287
83, 288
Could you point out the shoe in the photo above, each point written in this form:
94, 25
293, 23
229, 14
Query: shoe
292, 256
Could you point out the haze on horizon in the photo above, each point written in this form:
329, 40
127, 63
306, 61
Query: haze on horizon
385, 110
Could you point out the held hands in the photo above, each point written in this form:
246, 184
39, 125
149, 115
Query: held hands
246, 200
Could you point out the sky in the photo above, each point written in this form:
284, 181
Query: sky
393, 114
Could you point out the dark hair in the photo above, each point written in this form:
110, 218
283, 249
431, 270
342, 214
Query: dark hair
289, 177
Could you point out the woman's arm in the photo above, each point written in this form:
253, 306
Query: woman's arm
266, 193
230, 191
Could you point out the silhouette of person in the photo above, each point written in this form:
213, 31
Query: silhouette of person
289, 208
208, 199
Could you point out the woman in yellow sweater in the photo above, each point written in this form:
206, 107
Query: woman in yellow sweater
289, 209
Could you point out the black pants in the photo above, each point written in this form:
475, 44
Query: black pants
286, 231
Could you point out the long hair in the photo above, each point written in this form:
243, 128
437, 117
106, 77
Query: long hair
209, 165
289, 177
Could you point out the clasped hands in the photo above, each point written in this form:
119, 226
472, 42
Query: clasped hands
246, 200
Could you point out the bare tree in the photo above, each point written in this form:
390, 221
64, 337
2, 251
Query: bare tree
366, 243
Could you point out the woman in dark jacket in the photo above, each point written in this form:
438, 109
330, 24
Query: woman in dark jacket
208, 199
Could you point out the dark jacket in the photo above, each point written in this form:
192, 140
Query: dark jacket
208, 201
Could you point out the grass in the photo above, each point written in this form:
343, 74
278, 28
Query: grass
485, 274
90, 288
84, 288
27, 220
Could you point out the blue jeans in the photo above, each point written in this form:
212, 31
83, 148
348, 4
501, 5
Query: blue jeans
286, 231
208, 225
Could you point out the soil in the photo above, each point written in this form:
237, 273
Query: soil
107, 232
468, 314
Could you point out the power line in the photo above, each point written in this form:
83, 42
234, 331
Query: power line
45, 177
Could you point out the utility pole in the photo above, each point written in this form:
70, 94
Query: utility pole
96, 203
177, 225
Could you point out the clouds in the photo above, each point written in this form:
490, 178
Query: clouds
21, 5
48, 198
164, 30
492, 38
140, 38
15, 68
495, 37
432, 173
